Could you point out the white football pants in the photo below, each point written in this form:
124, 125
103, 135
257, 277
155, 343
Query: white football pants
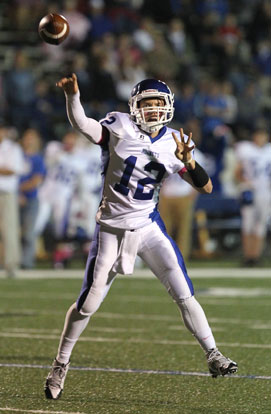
114, 251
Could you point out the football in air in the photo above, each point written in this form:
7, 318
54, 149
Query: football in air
53, 28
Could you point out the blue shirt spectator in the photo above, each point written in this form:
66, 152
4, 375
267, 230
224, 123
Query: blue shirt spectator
34, 166
185, 104
216, 136
30, 181
100, 22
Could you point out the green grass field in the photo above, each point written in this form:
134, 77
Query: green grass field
138, 332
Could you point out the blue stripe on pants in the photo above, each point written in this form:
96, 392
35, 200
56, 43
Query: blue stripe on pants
88, 278
180, 259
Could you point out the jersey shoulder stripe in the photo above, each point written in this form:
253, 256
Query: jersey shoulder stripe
117, 122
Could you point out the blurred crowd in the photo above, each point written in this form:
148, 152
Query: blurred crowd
214, 54
48, 197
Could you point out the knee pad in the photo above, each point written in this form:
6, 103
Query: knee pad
92, 302
184, 302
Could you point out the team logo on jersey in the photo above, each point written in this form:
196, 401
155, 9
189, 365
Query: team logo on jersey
151, 154
142, 137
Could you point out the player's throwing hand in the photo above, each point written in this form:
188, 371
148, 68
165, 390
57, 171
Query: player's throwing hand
183, 150
69, 85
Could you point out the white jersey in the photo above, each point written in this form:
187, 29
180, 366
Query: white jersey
135, 166
63, 172
87, 195
90, 156
256, 163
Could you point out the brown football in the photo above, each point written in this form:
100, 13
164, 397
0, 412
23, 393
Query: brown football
53, 28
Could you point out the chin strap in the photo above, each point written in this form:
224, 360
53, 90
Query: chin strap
151, 129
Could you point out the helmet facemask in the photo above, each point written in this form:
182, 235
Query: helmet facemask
164, 114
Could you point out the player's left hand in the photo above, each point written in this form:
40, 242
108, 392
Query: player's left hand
183, 150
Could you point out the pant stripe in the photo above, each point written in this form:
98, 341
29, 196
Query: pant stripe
180, 259
88, 278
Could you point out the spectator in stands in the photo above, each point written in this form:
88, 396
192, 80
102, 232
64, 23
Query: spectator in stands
79, 24
176, 36
249, 105
80, 66
162, 54
11, 166
253, 175
144, 35
231, 105
220, 7
44, 110
131, 72
160, 11
26, 12
259, 27
109, 45
103, 89
20, 91
185, 103
30, 180
207, 42
100, 22
126, 45
263, 58
216, 137
214, 104
123, 15
229, 32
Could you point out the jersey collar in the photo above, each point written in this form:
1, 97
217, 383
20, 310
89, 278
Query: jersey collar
161, 133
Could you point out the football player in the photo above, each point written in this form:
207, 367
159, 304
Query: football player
63, 169
87, 195
138, 152
253, 172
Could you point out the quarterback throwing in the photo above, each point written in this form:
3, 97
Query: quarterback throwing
139, 151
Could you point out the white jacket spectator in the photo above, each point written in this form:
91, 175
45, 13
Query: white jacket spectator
11, 166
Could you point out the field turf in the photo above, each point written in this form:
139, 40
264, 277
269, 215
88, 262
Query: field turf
135, 356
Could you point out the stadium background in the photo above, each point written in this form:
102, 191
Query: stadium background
136, 356
210, 52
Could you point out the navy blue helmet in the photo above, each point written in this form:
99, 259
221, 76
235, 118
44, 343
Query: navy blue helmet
152, 89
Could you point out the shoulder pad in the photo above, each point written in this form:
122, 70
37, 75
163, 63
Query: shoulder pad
116, 121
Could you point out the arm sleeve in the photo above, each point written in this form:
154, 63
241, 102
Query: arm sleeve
89, 127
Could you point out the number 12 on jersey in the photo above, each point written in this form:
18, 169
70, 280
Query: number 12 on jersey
122, 186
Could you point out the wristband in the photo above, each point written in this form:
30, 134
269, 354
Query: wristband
199, 176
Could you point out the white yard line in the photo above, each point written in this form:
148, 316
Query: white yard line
211, 273
208, 293
134, 371
136, 317
131, 340
20, 410
93, 328
230, 292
